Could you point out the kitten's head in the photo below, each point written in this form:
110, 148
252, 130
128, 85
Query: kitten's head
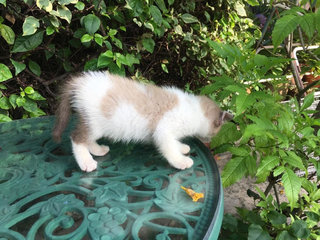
215, 117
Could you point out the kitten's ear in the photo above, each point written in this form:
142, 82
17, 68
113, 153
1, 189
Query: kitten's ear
225, 116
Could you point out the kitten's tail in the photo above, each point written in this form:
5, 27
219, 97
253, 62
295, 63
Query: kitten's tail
62, 114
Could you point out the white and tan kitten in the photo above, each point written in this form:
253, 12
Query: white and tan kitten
122, 109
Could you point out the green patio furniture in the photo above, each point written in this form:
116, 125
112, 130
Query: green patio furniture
134, 193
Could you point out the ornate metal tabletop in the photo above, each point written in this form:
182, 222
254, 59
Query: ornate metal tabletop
134, 193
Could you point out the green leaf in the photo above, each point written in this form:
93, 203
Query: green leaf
29, 90
313, 216
164, 68
98, 39
257, 233
148, 44
4, 103
27, 43
234, 170
156, 14
137, 6
243, 101
80, 6
50, 30
162, 5
3, 2
294, 160
19, 67
308, 24
283, 27
253, 2
285, 235
228, 133
36, 96
105, 59
20, 101
4, 118
7, 33
44, 4
307, 101
30, 25
13, 99
5, 73
62, 12
188, 18
91, 23
29, 105
170, 2
266, 165
277, 218
292, 186
279, 170
86, 38
34, 67
66, 2
299, 229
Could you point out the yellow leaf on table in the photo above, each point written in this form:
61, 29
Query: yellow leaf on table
194, 195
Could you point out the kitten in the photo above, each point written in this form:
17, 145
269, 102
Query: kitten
122, 109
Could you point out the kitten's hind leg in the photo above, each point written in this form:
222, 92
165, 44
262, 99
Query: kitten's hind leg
80, 148
98, 150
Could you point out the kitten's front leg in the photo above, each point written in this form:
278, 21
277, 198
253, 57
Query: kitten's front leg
172, 151
83, 157
184, 148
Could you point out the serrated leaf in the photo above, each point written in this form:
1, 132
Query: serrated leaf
276, 218
299, 229
294, 160
5, 73
256, 232
34, 67
308, 24
243, 101
7, 33
234, 170
19, 67
148, 44
44, 4
91, 23
30, 25
266, 165
188, 18
279, 170
156, 14
292, 186
307, 101
283, 27
27, 43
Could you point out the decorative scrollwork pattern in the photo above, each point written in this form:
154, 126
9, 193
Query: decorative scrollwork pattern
134, 193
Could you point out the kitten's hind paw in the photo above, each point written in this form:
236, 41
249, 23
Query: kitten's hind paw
182, 163
88, 166
98, 150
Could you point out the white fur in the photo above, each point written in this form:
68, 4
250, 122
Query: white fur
126, 124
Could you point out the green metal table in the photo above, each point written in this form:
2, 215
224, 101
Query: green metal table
134, 193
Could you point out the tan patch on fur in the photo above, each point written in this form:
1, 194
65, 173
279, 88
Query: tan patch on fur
150, 101
212, 112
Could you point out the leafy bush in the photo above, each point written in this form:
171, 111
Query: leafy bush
163, 41
270, 140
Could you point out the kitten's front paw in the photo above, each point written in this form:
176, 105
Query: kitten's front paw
98, 150
88, 165
184, 148
182, 163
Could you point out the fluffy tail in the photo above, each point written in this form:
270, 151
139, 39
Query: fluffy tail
62, 114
